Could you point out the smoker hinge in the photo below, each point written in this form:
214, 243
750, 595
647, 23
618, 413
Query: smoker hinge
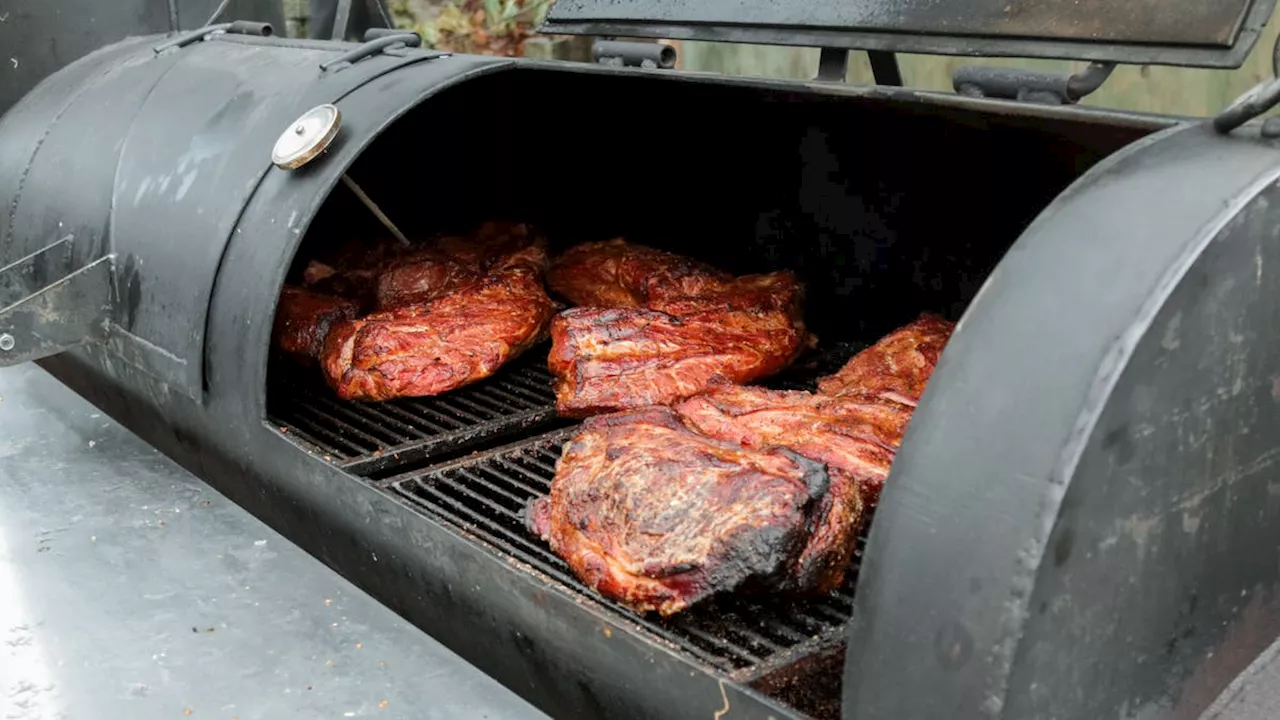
39, 318
1030, 86
651, 55
239, 27
377, 41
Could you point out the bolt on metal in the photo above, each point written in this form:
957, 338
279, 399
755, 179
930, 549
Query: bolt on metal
6, 342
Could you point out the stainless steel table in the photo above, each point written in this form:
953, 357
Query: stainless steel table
130, 589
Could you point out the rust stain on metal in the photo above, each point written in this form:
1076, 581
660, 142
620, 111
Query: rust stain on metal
1188, 505
1251, 633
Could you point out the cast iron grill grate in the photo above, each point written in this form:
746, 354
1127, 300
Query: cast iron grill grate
485, 498
367, 438
376, 439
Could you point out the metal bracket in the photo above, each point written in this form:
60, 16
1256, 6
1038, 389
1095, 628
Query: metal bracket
376, 43
64, 314
239, 27
651, 55
1030, 86
833, 66
884, 68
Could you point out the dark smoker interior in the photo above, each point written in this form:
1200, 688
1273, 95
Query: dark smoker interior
884, 208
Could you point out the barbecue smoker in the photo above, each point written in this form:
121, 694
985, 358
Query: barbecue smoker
1083, 519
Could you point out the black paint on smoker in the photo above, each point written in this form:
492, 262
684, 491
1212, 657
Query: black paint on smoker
886, 201
42, 36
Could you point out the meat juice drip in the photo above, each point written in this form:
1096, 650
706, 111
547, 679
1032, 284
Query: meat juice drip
653, 327
638, 504
431, 317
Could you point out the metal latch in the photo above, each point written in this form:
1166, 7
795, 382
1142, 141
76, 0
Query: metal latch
1030, 86
651, 55
40, 318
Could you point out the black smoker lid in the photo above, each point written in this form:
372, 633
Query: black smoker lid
1201, 33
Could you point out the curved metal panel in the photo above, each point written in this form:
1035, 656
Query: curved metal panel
40, 37
1168, 527
190, 136
65, 191
1053, 403
96, 81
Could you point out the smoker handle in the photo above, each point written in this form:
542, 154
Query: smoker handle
634, 54
1029, 85
1259, 99
375, 33
238, 27
371, 48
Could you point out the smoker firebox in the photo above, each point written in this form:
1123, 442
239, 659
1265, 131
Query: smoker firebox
1063, 513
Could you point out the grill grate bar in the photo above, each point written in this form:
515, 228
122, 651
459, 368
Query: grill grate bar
525, 394
714, 642
495, 488
451, 404
334, 439
465, 488
297, 432
512, 396
346, 428
371, 438
451, 422
368, 427
530, 481
476, 522
545, 466
417, 421
502, 396
400, 430
537, 381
